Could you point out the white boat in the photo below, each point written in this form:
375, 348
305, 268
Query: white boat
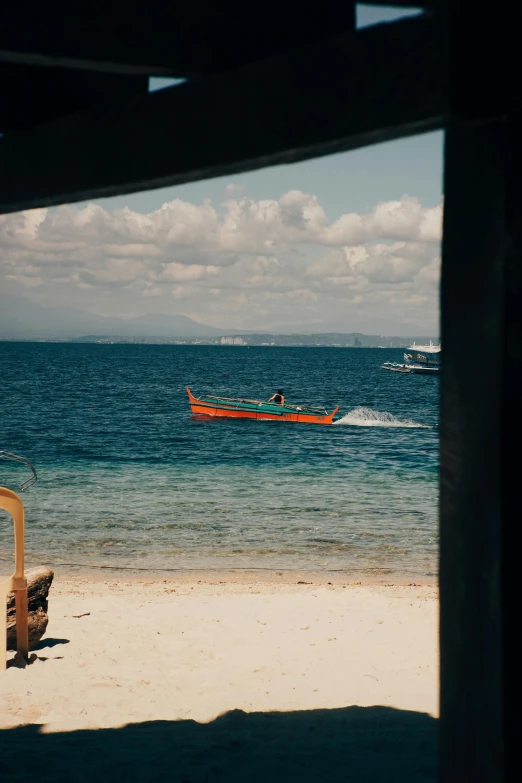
420, 360
395, 367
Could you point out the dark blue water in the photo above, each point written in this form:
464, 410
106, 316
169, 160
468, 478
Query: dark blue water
128, 478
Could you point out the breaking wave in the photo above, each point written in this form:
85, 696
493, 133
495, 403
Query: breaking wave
366, 417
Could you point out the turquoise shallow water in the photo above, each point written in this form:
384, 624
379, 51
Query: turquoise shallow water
127, 478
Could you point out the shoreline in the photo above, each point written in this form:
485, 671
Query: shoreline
239, 576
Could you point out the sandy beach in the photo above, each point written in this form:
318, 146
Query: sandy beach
333, 676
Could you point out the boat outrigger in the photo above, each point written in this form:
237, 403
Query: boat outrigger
421, 360
210, 406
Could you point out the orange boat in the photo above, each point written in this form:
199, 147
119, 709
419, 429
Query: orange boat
209, 406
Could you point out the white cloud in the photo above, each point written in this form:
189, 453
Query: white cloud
180, 273
248, 261
233, 189
404, 220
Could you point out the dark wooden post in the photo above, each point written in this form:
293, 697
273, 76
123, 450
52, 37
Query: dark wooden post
481, 476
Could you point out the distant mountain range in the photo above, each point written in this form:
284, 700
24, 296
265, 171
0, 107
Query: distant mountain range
21, 319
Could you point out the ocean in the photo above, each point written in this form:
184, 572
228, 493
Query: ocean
127, 479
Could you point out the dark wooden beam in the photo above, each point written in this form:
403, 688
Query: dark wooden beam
471, 517
481, 425
428, 4
31, 96
481, 465
161, 37
308, 102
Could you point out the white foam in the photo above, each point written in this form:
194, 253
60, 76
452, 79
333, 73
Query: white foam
366, 417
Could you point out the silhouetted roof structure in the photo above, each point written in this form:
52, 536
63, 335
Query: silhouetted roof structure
264, 85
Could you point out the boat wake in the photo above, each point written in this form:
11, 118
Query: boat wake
366, 417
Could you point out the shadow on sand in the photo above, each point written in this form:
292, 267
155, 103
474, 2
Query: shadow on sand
359, 744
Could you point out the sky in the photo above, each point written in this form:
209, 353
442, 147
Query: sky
348, 242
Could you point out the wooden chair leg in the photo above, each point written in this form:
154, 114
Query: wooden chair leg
3, 629
22, 623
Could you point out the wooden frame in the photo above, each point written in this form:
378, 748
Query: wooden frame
454, 69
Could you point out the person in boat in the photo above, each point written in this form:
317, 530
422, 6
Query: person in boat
278, 397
